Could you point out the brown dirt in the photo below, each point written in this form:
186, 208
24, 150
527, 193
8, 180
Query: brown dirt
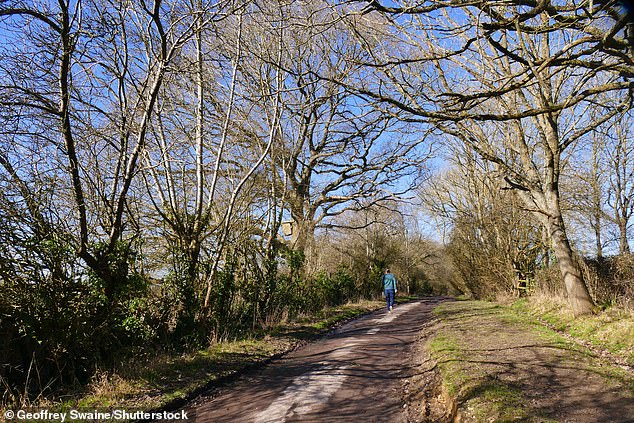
422, 391
378, 368
546, 377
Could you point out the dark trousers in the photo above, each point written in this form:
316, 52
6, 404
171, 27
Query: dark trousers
389, 298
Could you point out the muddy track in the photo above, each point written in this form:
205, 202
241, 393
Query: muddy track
362, 371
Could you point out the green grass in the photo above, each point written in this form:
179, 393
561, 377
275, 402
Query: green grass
480, 395
156, 381
611, 329
492, 398
476, 343
446, 350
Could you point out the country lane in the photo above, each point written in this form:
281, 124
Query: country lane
354, 374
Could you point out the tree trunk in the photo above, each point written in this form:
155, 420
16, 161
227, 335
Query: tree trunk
624, 245
578, 295
303, 234
597, 237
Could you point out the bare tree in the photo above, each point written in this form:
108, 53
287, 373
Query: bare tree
337, 152
493, 242
186, 147
104, 64
620, 152
585, 188
262, 151
512, 82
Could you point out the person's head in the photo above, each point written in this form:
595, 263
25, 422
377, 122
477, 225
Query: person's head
387, 271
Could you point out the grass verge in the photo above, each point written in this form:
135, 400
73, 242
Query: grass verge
611, 330
500, 363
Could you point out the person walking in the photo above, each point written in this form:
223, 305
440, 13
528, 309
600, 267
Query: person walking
388, 281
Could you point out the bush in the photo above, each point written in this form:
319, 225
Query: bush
335, 289
59, 325
611, 280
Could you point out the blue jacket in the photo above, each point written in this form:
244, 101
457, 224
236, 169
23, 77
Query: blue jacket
389, 281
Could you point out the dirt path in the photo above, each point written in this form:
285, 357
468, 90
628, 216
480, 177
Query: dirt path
357, 373
503, 366
379, 369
